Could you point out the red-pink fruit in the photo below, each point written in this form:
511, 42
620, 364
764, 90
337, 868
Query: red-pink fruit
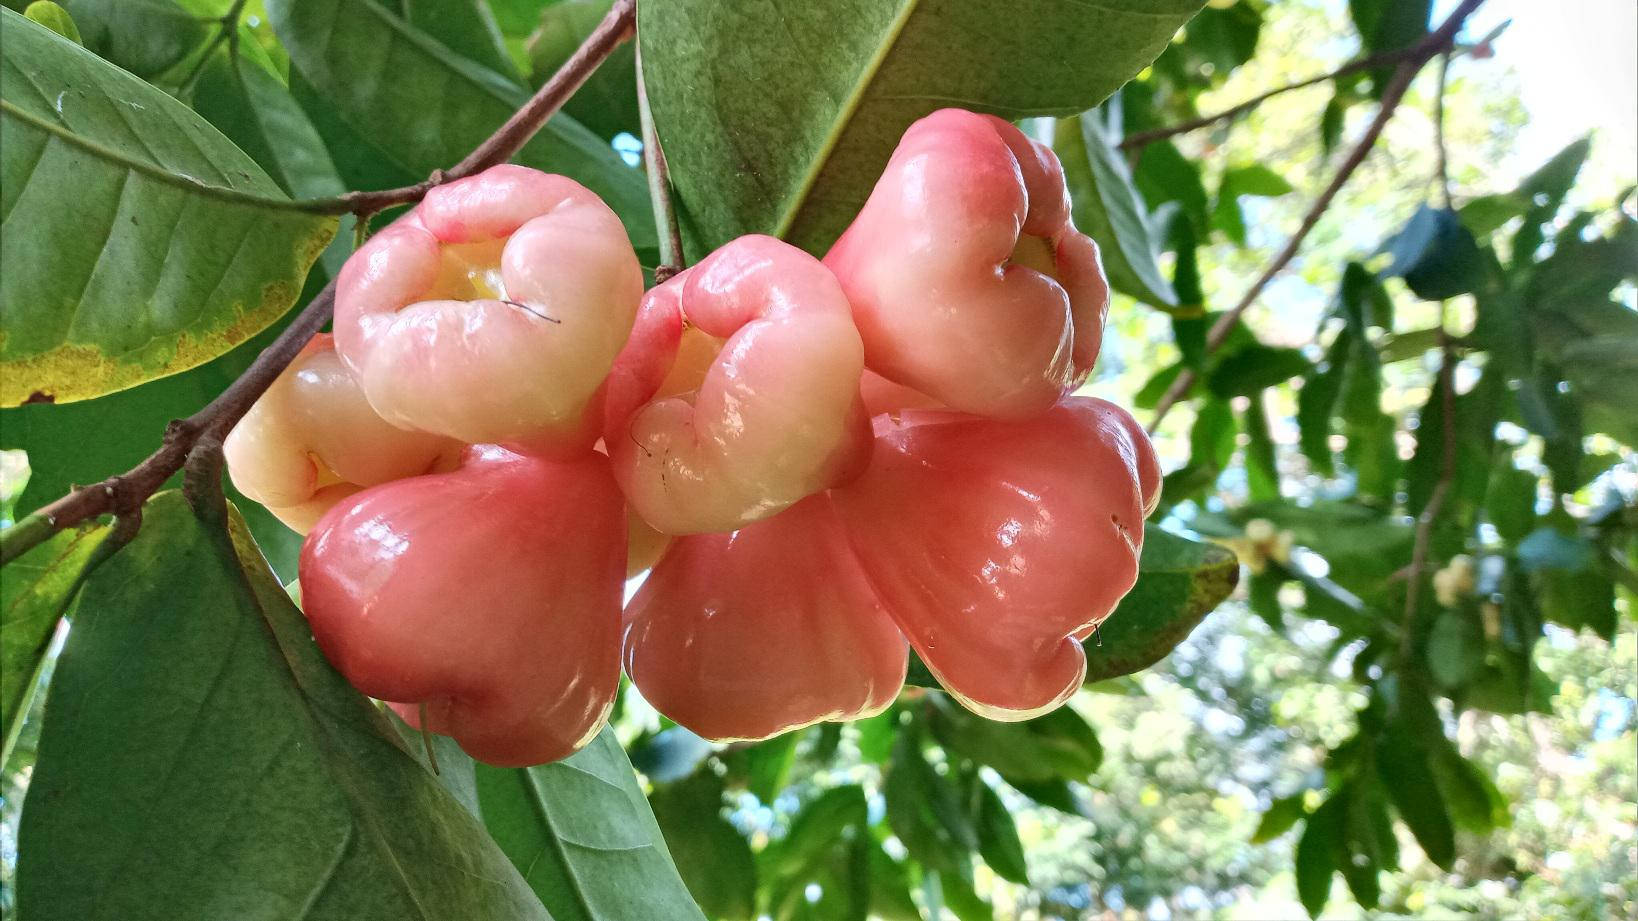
770, 628
493, 311
312, 440
995, 544
776, 416
489, 596
968, 281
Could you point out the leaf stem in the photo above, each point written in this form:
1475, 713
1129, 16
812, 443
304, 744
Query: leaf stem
659, 187
1446, 382
1392, 95
124, 494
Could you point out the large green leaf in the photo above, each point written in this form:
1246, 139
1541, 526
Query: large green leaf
1179, 582
583, 837
128, 427
425, 108
713, 857
1109, 209
807, 100
137, 240
145, 37
34, 592
200, 760
607, 103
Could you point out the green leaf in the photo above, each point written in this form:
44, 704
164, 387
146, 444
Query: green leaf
582, 835
998, 840
1486, 214
1467, 790
1510, 502
128, 427
1179, 582
55, 18
138, 242
1388, 25
1317, 402
607, 103
769, 765
1107, 208
670, 754
923, 809
1402, 763
145, 37
255, 111
1255, 368
467, 28
814, 833
1282, 814
1055, 794
1164, 175
1455, 649
1316, 853
36, 590
807, 101
424, 108
1057, 745
200, 759
890, 897
713, 858
1262, 467
1240, 181
1436, 255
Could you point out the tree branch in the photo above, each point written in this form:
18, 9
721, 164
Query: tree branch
1446, 382
1392, 95
1434, 43
124, 494
659, 187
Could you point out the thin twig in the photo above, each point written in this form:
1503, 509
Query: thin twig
1439, 131
1446, 382
1435, 42
124, 494
1392, 94
659, 186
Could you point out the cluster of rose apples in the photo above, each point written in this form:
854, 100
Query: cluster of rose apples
820, 460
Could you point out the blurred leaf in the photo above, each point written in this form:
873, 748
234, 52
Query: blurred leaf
1436, 256
998, 840
250, 746
55, 18
770, 764
607, 103
1264, 596
1387, 25
153, 244
1163, 174
1316, 856
1058, 744
1455, 649
146, 38
1545, 189
671, 754
713, 858
1107, 208
1179, 582
1317, 401
1250, 370
1241, 181
1055, 794
890, 897
430, 107
923, 809
1332, 118
795, 141
36, 590
876, 735
1402, 764
962, 900
1510, 503
815, 831
1282, 814
465, 27
1487, 214
1359, 858
1262, 468
1469, 793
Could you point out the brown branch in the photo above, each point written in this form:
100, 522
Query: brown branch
124, 494
1434, 44
659, 186
1442, 170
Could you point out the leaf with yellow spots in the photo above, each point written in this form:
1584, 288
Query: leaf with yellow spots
138, 241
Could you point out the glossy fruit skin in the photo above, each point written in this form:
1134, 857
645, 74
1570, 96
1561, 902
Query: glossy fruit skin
492, 312
771, 628
490, 595
968, 281
312, 439
777, 415
994, 544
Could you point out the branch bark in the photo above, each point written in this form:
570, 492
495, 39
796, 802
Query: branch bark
1392, 95
659, 187
123, 495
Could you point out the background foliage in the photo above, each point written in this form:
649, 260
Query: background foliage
1418, 442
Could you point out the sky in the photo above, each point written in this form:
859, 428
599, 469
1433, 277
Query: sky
1577, 62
